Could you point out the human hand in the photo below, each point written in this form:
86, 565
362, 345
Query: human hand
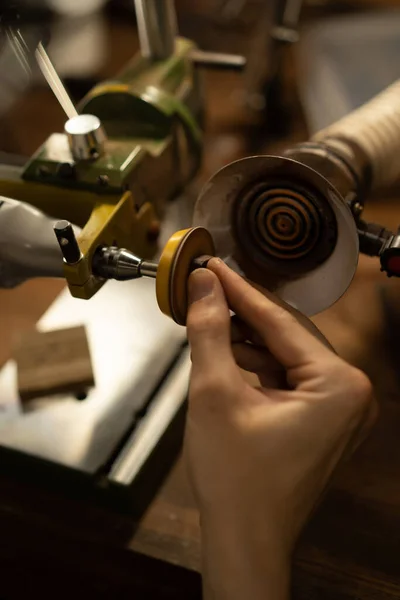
260, 458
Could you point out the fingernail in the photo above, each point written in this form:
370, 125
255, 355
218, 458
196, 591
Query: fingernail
215, 261
201, 284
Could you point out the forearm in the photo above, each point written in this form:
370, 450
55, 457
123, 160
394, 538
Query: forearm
239, 564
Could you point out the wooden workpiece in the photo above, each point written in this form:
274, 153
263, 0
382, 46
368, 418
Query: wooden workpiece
53, 362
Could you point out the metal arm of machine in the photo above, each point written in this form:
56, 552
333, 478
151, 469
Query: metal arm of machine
28, 247
157, 26
132, 144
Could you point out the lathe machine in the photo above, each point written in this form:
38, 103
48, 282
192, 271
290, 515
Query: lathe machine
93, 204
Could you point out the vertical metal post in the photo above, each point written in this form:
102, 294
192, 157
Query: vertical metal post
157, 27
290, 13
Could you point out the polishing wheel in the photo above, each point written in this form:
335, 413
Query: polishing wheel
175, 266
284, 226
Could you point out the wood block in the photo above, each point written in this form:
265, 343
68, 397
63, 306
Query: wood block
53, 362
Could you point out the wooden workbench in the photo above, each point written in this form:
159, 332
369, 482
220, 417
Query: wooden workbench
60, 547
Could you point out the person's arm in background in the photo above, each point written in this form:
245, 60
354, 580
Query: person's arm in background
260, 458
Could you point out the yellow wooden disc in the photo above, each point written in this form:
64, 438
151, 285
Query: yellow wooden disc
175, 266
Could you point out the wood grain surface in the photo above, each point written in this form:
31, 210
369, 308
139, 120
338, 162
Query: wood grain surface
53, 362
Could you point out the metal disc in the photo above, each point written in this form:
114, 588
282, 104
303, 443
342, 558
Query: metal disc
311, 273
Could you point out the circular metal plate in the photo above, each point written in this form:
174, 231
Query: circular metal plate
174, 268
310, 291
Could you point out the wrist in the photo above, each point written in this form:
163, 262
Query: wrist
244, 558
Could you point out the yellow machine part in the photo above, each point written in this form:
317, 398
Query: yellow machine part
174, 268
105, 220
111, 224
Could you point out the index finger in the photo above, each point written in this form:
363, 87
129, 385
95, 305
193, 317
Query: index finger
292, 342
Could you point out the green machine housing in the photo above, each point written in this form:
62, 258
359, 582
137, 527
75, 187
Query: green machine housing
152, 113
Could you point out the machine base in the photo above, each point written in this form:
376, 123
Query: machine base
100, 445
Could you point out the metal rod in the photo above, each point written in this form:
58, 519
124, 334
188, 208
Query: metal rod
68, 243
157, 28
54, 81
291, 13
217, 60
148, 269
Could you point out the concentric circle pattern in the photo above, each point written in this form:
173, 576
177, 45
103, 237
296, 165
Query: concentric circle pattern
284, 224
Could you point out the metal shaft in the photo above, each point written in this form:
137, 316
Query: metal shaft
54, 81
68, 243
287, 18
111, 262
157, 27
148, 269
217, 60
289, 13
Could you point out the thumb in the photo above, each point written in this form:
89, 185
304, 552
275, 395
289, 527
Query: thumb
208, 324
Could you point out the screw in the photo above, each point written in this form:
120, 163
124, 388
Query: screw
103, 180
42, 171
66, 171
357, 209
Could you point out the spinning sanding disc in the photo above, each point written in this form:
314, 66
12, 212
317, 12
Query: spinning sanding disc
284, 226
175, 266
